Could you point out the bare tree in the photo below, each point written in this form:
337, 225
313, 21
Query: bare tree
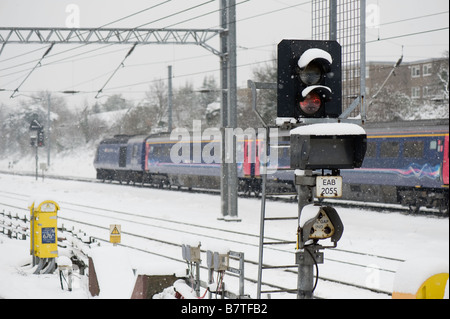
443, 75
187, 106
267, 99
156, 102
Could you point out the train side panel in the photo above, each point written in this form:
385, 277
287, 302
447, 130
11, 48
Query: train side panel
401, 161
181, 168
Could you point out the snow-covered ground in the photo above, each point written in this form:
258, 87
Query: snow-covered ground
386, 234
77, 162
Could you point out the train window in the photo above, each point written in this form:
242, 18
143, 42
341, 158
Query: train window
371, 149
413, 149
123, 156
135, 151
389, 149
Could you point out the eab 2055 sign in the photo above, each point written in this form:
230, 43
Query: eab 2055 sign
329, 186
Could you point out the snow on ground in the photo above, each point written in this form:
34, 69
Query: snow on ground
18, 282
387, 234
77, 162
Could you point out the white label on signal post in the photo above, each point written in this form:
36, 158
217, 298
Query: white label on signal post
329, 186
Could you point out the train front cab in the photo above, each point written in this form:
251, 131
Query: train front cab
250, 181
120, 159
110, 157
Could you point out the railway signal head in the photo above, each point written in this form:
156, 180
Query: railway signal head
40, 138
309, 79
331, 146
36, 133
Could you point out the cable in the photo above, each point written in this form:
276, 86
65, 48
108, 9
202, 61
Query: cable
176, 13
126, 17
317, 270
244, 19
136, 13
120, 19
38, 64
20, 55
117, 69
414, 18
408, 35
171, 15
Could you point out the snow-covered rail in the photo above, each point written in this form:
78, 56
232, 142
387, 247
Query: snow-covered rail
167, 246
291, 199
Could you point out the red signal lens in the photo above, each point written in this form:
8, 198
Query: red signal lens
311, 104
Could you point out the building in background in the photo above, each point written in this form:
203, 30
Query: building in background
422, 83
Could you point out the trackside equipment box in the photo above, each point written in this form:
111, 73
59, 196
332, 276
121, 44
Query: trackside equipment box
44, 229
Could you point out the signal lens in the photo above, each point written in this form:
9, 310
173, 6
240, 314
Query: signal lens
312, 74
311, 104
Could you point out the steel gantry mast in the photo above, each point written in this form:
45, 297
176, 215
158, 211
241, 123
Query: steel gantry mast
110, 36
146, 36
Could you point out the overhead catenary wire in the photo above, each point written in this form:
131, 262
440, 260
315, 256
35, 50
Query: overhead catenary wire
117, 69
37, 65
160, 19
83, 45
204, 3
102, 26
106, 46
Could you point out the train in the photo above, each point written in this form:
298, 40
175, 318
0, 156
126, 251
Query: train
406, 163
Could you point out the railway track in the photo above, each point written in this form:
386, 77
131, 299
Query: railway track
378, 207
160, 236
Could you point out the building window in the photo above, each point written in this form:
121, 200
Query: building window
415, 92
427, 69
426, 91
367, 72
415, 71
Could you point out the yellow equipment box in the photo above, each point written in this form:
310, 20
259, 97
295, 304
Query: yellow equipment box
44, 229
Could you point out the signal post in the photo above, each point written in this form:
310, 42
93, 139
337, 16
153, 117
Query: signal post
321, 144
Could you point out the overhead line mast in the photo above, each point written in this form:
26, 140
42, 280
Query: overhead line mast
138, 36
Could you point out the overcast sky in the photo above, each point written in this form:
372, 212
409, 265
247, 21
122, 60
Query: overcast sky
396, 25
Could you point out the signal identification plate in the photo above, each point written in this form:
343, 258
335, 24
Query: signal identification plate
329, 186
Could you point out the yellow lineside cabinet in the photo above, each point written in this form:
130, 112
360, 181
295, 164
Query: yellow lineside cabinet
423, 277
432, 288
44, 229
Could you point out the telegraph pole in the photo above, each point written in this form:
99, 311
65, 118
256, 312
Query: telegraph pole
170, 99
48, 128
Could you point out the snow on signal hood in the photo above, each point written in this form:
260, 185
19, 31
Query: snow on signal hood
313, 54
325, 129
